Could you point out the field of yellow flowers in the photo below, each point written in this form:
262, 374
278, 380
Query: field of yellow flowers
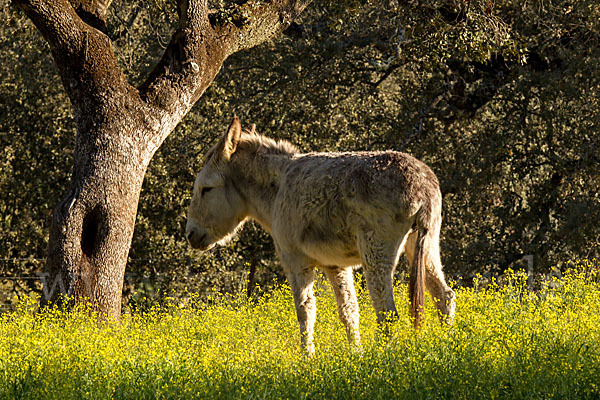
506, 343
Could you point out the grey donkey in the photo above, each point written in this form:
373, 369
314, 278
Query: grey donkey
330, 211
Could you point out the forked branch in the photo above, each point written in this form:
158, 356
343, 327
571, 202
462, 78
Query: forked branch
260, 20
82, 52
93, 12
57, 21
201, 44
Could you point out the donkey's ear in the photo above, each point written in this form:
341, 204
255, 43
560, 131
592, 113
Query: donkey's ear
231, 139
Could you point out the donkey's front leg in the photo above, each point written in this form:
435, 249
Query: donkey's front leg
342, 281
300, 273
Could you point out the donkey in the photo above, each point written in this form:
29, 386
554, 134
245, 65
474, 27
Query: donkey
331, 211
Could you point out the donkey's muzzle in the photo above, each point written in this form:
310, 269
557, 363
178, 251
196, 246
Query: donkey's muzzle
196, 238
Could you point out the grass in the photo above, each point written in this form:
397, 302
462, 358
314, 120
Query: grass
506, 343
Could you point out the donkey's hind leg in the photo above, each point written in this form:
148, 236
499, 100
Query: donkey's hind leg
300, 273
342, 281
379, 254
435, 282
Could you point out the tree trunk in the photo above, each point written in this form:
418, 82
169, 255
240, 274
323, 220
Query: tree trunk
92, 226
119, 127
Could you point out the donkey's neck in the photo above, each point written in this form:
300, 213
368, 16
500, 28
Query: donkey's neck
257, 179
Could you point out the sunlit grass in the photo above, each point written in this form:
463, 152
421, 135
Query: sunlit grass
506, 343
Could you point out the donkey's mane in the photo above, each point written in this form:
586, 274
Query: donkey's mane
255, 143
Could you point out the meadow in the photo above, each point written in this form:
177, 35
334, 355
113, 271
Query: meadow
506, 343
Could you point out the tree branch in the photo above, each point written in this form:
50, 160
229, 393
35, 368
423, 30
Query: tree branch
57, 21
175, 81
92, 12
82, 53
203, 41
259, 21
127, 24
422, 115
99, 8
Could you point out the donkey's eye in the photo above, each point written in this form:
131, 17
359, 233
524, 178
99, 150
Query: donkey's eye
205, 190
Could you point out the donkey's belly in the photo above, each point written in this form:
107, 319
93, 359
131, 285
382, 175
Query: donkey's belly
332, 253
328, 243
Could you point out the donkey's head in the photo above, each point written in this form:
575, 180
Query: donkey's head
217, 208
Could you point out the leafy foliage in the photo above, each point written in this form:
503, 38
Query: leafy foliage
500, 98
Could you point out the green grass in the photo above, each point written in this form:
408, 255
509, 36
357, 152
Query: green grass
506, 343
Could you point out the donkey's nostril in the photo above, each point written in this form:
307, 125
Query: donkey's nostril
191, 233
196, 237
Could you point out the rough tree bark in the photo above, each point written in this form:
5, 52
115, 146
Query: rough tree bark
120, 127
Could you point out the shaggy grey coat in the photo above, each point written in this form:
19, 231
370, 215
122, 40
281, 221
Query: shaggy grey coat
331, 211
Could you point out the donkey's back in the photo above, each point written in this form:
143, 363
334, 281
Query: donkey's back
390, 178
326, 200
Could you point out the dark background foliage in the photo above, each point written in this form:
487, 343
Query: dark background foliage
501, 99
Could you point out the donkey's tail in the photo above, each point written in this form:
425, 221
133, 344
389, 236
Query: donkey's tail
416, 284
427, 222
